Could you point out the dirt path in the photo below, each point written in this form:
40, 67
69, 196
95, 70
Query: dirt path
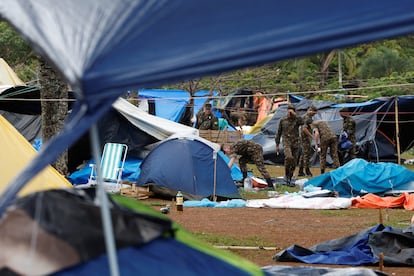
281, 228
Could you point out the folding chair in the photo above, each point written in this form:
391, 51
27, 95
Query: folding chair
112, 165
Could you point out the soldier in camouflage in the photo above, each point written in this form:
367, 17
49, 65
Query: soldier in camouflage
324, 135
288, 131
206, 119
306, 139
349, 128
249, 151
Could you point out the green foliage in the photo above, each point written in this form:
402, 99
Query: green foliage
17, 53
383, 62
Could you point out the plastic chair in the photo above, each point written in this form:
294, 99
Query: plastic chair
112, 165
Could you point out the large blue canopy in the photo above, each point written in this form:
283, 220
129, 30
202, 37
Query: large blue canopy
107, 47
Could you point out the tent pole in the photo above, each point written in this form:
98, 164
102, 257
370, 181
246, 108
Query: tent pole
103, 199
397, 131
215, 176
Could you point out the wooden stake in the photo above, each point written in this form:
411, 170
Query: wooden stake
381, 221
381, 262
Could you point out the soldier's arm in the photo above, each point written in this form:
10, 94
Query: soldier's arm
279, 133
306, 131
316, 136
231, 161
198, 120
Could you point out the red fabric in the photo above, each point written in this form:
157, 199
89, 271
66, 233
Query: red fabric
405, 200
258, 183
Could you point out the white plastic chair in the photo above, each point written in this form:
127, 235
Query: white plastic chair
112, 166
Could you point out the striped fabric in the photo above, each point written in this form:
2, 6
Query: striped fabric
112, 163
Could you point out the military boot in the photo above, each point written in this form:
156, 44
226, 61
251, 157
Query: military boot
300, 173
244, 176
270, 186
290, 182
308, 172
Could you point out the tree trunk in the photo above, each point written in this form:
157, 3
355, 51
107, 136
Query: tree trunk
54, 111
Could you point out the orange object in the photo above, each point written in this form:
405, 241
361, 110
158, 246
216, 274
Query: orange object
258, 182
405, 200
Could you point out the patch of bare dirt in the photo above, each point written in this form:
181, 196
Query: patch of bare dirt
278, 228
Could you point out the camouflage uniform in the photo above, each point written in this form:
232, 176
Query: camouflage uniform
207, 121
289, 132
250, 151
327, 140
306, 142
349, 128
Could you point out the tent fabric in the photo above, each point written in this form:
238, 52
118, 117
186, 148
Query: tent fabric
16, 153
7, 76
405, 200
27, 125
375, 126
301, 202
130, 172
69, 240
104, 48
127, 124
169, 104
361, 248
283, 270
359, 177
350, 250
157, 127
188, 165
11, 99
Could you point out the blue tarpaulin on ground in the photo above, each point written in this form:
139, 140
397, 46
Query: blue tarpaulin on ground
361, 248
358, 177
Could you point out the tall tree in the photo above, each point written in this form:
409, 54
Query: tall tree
53, 93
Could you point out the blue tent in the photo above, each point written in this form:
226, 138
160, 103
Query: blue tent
359, 177
104, 48
188, 165
169, 104
69, 240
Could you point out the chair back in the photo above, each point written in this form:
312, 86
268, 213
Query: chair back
113, 159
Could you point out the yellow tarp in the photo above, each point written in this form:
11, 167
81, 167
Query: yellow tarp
8, 76
16, 153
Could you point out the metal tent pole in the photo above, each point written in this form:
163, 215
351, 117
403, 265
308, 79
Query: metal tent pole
397, 130
215, 175
103, 200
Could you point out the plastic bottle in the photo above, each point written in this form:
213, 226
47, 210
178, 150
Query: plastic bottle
247, 183
179, 201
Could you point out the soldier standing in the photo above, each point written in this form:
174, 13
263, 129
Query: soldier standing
349, 128
206, 119
323, 132
289, 132
306, 139
249, 151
